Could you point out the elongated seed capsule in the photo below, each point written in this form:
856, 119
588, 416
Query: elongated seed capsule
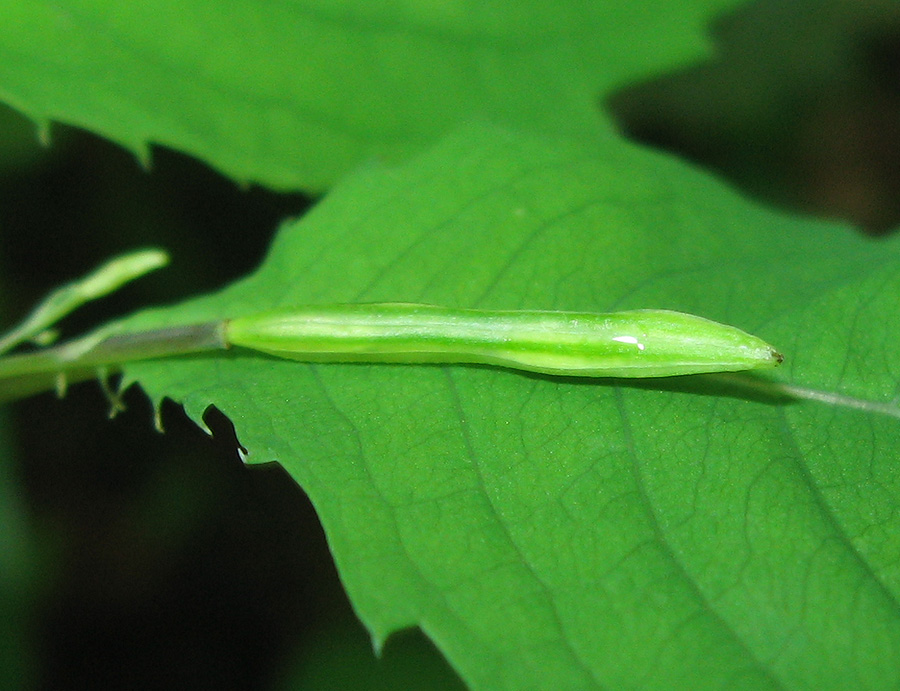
641, 343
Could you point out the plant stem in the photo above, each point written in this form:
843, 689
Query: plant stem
98, 351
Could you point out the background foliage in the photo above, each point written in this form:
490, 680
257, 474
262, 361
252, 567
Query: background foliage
540, 531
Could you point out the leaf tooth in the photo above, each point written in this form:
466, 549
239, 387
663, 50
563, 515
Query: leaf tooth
42, 130
144, 154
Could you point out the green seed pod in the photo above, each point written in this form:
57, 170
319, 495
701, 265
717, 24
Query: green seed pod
640, 343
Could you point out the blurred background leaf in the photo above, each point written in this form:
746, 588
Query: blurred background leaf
329, 84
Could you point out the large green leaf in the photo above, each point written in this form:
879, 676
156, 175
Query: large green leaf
553, 533
292, 94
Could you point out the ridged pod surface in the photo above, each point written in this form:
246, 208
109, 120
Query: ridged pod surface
639, 343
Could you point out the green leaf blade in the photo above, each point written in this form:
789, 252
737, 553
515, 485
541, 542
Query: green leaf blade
555, 533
